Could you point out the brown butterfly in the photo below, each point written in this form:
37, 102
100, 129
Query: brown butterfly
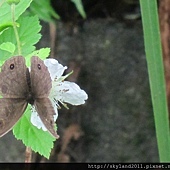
18, 87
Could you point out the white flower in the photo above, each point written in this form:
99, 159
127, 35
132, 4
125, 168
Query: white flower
62, 92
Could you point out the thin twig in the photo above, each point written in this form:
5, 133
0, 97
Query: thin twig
28, 155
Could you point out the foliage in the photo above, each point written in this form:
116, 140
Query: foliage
18, 30
80, 8
156, 76
39, 140
44, 10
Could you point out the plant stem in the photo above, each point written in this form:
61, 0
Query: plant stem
2, 2
15, 28
28, 155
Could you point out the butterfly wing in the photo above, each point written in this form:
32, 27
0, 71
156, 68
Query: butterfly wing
46, 112
41, 85
13, 88
13, 78
10, 112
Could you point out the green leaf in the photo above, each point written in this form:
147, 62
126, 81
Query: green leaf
5, 26
80, 8
44, 10
5, 11
37, 139
28, 35
8, 46
43, 53
156, 76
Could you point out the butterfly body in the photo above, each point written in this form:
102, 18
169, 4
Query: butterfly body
19, 86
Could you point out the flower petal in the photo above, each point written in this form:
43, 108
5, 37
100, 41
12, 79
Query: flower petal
36, 121
69, 92
55, 109
55, 69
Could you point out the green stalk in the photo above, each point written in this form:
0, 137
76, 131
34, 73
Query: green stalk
156, 76
15, 28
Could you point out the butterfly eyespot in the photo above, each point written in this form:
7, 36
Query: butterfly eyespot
11, 66
39, 66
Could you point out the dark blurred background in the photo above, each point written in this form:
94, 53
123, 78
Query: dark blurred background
106, 52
